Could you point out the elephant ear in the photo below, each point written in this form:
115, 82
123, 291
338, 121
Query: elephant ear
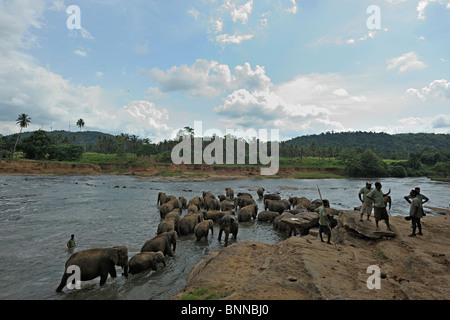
115, 256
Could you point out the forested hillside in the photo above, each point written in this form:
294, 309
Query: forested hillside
378, 142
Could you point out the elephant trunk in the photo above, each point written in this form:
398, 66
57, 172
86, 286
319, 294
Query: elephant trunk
174, 246
227, 233
125, 268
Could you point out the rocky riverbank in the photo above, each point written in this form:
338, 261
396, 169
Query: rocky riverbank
304, 268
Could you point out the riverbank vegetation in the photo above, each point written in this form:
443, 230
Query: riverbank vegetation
329, 155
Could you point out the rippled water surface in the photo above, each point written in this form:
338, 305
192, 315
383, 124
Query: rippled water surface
39, 213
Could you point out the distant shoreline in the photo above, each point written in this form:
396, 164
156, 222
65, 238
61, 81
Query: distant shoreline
169, 170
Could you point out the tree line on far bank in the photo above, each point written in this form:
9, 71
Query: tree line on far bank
356, 161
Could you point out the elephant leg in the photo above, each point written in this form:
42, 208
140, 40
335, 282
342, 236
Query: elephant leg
227, 234
103, 278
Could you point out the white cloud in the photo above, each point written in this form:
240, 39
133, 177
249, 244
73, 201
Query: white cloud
144, 119
217, 25
437, 124
208, 79
204, 78
242, 13
16, 17
294, 8
235, 21
80, 53
406, 62
308, 103
436, 90
423, 4
236, 38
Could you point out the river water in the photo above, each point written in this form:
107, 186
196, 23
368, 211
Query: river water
39, 213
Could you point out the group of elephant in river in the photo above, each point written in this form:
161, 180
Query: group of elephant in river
202, 213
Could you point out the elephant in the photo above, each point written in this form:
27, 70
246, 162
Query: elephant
202, 229
96, 262
197, 201
188, 222
242, 201
260, 192
228, 224
247, 213
212, 204
272, 196
192, 208
170, 223
165, 208
221, 197
275, 205
302, 203
207, 194
244, 194
229, 193
226, 205
162, 198
268, 216
145, 260
183, 202
162, 242
214, 215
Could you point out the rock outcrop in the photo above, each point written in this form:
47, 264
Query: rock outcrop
304, 268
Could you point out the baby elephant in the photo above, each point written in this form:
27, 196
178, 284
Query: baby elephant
202, 229
146, 260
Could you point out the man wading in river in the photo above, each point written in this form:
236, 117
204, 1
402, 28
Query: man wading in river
71, 243
380, 212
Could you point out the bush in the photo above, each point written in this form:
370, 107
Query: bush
397, 171
442, 169
36, 146
65, 152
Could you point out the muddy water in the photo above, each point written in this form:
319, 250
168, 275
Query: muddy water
38, 214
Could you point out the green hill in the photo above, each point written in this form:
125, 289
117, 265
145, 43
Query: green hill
89, 138
378, 142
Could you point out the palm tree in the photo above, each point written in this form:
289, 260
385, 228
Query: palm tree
23, 121
80, 123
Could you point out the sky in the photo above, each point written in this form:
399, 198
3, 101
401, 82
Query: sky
151, 67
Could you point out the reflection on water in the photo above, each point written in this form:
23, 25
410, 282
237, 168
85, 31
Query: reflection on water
39, 213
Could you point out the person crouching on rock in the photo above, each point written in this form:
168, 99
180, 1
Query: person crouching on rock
324, 223
415, 213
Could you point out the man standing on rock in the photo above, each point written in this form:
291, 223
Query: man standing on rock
415, 213
380, 212
324, 223
366, 202
419, 196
